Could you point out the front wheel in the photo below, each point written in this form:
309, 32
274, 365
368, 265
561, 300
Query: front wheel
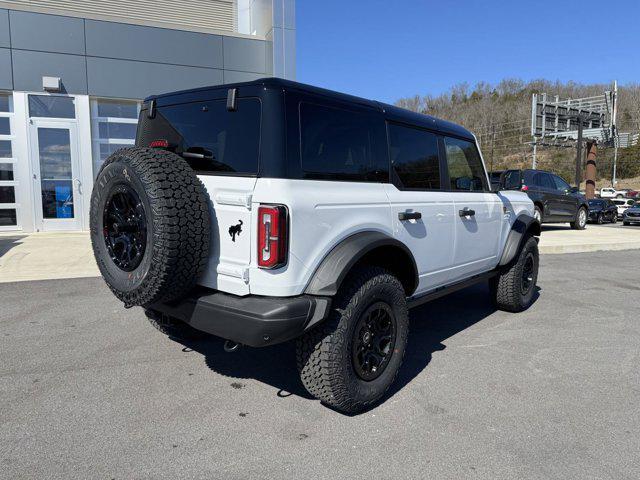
581, 219
350, 361
514, 288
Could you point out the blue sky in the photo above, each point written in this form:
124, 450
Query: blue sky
393, 48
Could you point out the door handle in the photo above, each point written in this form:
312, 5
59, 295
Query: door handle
402, 216
466, 212
78, 184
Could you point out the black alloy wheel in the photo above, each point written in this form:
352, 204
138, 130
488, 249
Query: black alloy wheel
373, 341
526, 281
125, 228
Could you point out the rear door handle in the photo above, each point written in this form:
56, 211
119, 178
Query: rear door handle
402, 216
466, 212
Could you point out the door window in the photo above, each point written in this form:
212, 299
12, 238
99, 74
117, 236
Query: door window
543, 179
560, 184
414, 157
466, 171
54, 149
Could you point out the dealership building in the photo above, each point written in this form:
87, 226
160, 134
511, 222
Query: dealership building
73, 74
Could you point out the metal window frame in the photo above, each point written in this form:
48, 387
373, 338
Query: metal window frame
97, 140
13, 160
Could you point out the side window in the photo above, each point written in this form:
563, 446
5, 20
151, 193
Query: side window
560, 183
338, 144
414, 157
512, 180
542, 179
466, 171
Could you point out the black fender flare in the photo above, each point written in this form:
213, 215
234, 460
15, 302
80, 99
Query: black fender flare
524, 223
333, 269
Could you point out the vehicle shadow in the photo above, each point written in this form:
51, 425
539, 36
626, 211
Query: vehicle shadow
7, 243
430, 326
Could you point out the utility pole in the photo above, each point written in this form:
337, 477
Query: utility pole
615, 161
579, 155
493, 141
535, 151
590, 176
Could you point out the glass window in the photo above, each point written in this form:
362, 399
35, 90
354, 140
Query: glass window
8, 217
544, 180
414, 157
117, 109
339, 144
54, 147
51, 106
512, 180
5, 127
226, 141
107, 149
7, 194
5, 148
560, 183
6, 172
5, 102
465, 166
117, 130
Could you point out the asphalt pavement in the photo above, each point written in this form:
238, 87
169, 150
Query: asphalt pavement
91, 390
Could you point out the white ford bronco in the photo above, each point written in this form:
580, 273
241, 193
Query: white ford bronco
268, 211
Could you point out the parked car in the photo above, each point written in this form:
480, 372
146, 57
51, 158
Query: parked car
554, 199
609, 192
623, 204
267, 211
494, 178
602, 210
632, 215
633, 194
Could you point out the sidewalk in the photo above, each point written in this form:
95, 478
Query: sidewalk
43, 256
562, 238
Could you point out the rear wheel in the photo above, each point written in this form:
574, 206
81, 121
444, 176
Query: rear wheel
581, 219
351, 360
514, 288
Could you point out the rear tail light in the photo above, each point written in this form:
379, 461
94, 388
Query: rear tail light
272, 236
524, 188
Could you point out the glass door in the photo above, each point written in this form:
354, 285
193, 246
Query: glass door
56, 175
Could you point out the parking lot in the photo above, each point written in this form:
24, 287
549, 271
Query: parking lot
90, 390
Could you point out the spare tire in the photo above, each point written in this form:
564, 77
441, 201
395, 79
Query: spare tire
150, 225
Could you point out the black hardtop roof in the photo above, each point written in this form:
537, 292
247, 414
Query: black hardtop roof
394, 113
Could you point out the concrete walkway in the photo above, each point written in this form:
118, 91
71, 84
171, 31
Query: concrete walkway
43, 256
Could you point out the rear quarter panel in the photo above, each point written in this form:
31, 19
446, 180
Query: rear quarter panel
321, 215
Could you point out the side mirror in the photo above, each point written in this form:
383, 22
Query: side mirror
573, 190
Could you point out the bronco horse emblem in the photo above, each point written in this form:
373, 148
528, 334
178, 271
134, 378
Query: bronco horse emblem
235, 230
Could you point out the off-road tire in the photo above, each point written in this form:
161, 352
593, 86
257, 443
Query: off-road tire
506, 287
324, 354
173, 327
577, 224
177, 214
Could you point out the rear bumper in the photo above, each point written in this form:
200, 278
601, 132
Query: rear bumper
252, 320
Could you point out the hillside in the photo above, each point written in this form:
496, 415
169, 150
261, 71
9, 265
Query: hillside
500, 116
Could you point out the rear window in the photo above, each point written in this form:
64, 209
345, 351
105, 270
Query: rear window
212, 139
340, 144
